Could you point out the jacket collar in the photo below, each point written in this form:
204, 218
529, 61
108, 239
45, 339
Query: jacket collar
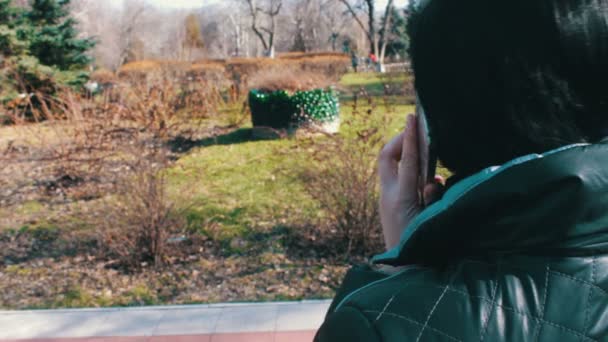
552, 204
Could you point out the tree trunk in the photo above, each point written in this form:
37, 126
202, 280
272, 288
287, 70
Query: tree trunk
385, 28
371, 19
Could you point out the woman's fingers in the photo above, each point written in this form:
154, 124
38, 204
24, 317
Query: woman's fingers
440, 179
389, 160
409, 163
433, 193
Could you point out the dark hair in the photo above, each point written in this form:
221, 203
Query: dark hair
504, 78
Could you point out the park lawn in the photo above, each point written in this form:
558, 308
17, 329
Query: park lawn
373, 83
369, 78
243, 184
245, 197
234, 180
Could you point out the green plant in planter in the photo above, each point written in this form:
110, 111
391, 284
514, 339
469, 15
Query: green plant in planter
280, 110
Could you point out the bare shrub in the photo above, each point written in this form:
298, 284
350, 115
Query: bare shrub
112, 153
344, 181
212, 72
162, 106
333, 67
103, 76
140, 218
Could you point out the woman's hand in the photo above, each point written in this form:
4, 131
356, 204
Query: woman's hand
400, 200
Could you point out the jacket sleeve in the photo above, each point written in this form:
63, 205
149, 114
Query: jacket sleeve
356, 278
349, 324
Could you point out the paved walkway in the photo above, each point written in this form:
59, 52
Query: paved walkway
251, 322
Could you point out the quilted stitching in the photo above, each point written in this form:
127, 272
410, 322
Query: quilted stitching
582, 281
353, 296
428, 318
523, 313
552, 271
519, 312
588, 306
484, 328
540, 317
410, 320
543, 307
386, 307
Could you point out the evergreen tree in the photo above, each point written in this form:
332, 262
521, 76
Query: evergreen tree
39, 49
11, 44
53, 36
5, 11
47, 12
7, 35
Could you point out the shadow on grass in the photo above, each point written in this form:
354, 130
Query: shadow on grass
27, 244
238, 136
300, 244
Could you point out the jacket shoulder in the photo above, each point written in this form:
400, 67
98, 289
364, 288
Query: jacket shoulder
511, 300
396, 307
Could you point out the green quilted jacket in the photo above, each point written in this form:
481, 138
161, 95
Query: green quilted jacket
514, 253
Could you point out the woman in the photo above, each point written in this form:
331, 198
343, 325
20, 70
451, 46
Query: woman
516, 249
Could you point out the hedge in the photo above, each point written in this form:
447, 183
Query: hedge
332, 65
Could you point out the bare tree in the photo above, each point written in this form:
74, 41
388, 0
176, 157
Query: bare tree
333, 21
316, 25
264, 22
132, 13
305, 16
133, 30
239, 34
94, 20
193, 38
368, 7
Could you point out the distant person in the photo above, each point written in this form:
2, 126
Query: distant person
516, 248
345, 45
368, 63
374, 60
354, 60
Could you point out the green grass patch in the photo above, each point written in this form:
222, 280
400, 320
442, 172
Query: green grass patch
374, 83
236, 185
368, 78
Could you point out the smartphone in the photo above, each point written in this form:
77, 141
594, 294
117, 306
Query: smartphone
428, 159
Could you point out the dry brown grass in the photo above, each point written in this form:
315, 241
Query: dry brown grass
103, 76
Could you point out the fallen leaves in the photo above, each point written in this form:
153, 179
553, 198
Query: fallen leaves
200, 276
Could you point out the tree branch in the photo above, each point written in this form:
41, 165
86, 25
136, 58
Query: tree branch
253, 9
353, 12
